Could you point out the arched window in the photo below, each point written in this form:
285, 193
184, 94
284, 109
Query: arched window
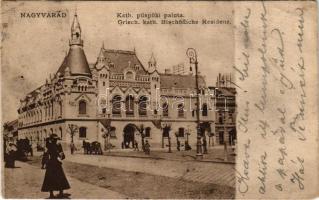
112, 132
116, 104
142, 103
41, 115
129, 75
165, 109
205, 110
180, 108
82, 132
129, 105
103, 105
82, 107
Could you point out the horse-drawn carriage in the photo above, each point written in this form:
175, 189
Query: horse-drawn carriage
24, 148
92, 147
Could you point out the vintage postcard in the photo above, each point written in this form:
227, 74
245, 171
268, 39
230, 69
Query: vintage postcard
159, 100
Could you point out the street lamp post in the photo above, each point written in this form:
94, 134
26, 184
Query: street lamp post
167, 128
169, 145
192, 55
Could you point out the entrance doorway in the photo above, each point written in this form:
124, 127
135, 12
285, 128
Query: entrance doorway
128, 136
221, 137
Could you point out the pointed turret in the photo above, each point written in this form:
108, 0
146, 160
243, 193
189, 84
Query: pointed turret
76, 60
76, 32
152, 64
101, 57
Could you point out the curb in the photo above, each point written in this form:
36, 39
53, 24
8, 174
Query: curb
159, 158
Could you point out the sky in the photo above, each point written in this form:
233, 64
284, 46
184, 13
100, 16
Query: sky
34, 48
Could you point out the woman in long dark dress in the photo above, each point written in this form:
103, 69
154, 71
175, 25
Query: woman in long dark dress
11, 155
55, 179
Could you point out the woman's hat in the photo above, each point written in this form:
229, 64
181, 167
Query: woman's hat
54, 136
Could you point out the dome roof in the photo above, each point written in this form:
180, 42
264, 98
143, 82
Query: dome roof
76, 61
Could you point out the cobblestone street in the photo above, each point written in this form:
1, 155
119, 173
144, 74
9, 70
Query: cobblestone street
206, 172
94, 176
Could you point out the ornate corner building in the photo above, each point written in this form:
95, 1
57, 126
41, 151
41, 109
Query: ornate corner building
116, 94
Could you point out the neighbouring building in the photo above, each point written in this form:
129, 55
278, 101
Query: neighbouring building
10, 131
225, 105
116, 94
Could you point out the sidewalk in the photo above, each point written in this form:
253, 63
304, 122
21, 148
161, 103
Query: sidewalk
25, 181
215, 154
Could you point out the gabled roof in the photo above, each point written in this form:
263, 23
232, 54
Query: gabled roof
76, 61
180, 81
122, 59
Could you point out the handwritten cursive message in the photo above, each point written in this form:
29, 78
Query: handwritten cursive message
271, 68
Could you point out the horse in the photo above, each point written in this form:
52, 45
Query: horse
92, 147
96, 148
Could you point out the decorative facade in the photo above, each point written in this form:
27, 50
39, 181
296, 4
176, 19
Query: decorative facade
115, 94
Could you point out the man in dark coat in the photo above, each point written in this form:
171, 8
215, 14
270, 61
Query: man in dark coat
147, 148
178, 145
55, 179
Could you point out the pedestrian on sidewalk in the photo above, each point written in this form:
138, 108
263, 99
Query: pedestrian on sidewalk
178, 146
55, 179
147, 148
135, 146
10, 155
45, 158
72, 147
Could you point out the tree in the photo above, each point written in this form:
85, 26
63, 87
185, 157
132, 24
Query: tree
140, 129
166, 129
72, 130
105, 135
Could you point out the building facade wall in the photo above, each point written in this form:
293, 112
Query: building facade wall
85, 98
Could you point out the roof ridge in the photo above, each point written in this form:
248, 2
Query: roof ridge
119, 51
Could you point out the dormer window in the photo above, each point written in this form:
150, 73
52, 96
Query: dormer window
130, 75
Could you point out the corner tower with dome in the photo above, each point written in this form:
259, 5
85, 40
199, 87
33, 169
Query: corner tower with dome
115, 95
